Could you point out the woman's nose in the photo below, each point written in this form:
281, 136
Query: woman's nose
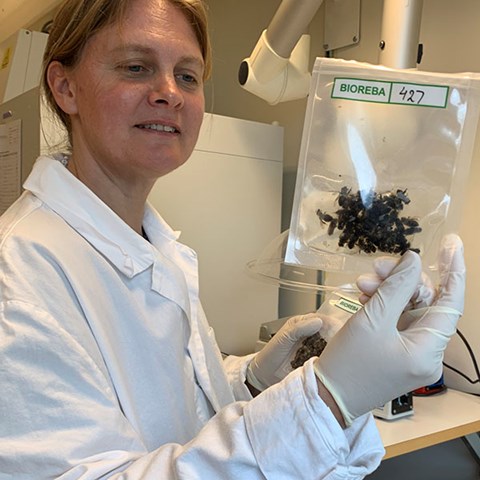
166, 91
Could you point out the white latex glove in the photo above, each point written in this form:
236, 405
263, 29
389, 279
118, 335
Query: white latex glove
383, 266
370, 361
272, 363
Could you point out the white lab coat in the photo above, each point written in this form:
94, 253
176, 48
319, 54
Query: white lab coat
108, 368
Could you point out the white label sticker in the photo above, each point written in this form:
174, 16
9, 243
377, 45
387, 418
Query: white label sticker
390, 92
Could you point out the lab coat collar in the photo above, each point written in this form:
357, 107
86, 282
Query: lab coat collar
52, 183
175, 276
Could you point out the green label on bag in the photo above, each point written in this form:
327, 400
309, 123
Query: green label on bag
399, 93
348, 305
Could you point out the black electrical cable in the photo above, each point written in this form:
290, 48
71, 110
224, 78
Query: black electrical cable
474, 361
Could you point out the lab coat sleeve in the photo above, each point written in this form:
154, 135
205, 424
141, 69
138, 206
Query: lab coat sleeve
236, 369
362, 433
61, 419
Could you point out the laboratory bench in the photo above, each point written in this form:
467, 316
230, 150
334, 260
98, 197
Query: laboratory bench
436, 419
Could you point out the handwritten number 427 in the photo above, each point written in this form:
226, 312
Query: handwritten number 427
411, 95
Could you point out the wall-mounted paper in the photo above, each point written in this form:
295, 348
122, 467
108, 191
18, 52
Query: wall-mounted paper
10, 166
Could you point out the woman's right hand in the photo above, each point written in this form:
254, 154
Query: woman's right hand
372, 360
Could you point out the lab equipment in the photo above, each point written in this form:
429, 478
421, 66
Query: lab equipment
278, 68
399, 407
432, 389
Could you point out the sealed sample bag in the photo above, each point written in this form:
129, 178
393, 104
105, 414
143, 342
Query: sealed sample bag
383, 164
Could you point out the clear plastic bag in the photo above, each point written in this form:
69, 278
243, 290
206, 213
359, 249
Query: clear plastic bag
384, 159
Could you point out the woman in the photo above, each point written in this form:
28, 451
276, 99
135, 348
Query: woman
108, 368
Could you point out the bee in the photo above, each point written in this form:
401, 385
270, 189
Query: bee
324, 217
402, 195
409, 222
332, 226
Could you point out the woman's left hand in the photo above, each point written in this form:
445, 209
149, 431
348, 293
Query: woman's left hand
271, 364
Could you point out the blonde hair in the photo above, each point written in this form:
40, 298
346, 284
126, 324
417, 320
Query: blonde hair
78, 20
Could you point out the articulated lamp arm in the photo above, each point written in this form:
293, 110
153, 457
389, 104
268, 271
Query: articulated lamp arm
277, 69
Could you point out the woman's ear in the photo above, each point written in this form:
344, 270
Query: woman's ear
62, 87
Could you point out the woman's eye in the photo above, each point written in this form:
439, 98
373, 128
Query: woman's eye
188, 78
132, 69
135, 68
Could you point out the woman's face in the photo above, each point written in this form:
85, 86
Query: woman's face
136, 96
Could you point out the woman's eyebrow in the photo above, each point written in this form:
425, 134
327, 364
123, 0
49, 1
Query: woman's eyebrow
145, 50
134, 48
